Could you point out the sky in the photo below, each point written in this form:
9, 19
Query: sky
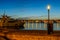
28, 8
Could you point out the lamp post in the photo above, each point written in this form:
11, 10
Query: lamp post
48, 7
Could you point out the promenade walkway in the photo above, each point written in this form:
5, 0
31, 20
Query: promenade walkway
32, 35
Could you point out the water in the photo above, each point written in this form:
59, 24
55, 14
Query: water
40, 26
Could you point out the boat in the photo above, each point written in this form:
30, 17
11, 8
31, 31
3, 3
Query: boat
10, 23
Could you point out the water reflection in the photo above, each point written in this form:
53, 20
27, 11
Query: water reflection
56, 26
40, 26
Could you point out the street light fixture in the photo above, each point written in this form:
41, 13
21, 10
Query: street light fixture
48, 7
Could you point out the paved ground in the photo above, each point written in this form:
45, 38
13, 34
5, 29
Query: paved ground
31, 35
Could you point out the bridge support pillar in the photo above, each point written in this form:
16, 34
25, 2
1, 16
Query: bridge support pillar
40, 25
28, 25
36, 25
57, 24
44, 25
32, 25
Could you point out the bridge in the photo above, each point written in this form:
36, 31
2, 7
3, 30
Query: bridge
45, 22
42, 21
